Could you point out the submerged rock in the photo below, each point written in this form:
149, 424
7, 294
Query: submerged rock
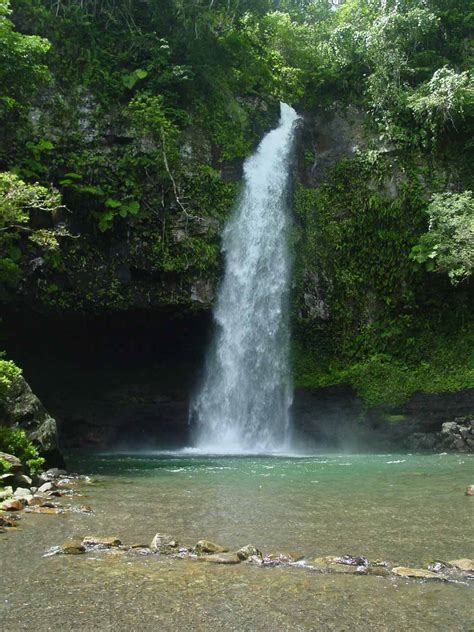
47, 510
352, 560
346, 564
105, 543
8, 521
463, 564
52, 474
37, 501
378, 571
164, 544
469, 490
277, 559
222, 558
419, 573
205, 546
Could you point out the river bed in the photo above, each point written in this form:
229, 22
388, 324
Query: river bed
407, 509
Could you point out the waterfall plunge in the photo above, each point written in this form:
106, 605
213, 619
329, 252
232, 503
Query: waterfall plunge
244, 401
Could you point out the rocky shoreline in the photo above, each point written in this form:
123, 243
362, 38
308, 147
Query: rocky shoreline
42, 493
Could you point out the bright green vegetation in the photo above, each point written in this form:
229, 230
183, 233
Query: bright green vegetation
8, 373
121, 122
386, 325
14, 441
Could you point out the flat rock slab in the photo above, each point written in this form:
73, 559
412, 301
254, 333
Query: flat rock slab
419, 573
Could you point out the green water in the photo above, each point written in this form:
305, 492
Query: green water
402, 508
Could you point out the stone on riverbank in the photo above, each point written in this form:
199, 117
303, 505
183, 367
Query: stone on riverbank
22, 480
23, 492
45, 487
205, 546
13, 504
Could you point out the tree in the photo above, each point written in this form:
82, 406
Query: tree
448, 246
17, 200
22, 68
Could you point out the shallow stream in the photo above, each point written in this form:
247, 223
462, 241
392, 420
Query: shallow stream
406, 509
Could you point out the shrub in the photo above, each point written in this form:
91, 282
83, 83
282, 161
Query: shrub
14, 441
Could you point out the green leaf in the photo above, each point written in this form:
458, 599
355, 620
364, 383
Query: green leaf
111, 203
132, 208
129, 80
105, 221
89, 189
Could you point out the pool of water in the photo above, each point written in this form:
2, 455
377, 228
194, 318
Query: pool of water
403, 508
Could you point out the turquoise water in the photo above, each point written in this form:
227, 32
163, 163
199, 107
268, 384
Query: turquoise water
389, 506
406, 509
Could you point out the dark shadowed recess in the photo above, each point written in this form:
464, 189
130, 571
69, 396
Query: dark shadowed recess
113, 381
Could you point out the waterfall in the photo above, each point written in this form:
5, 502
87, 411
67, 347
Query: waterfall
244, 401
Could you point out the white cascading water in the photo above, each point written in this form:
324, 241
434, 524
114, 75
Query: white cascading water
244, 401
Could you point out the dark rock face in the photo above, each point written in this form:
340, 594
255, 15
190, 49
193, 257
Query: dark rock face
455, 436
334, 418
23, 409
329, 135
